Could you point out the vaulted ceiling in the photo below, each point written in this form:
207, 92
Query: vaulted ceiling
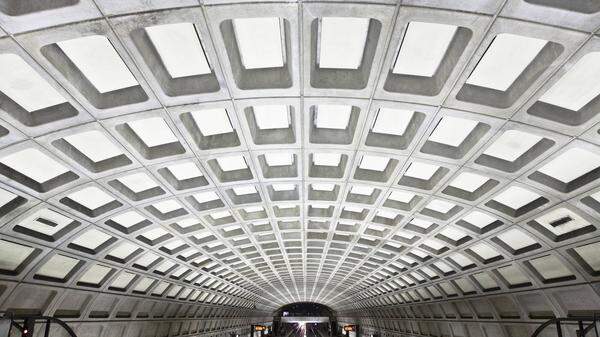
255, 154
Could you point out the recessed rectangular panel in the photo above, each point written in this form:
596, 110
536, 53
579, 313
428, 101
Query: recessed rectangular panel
99, 62
153, 131
212, 121
24, 86
232, 163
578, 86
94, 145
392, 121
45, 169
452, 131
504, 60
180, 49
375, 163
342, 42
571, 164
511, 145
423, 48
260, 42
272, 116
332, 116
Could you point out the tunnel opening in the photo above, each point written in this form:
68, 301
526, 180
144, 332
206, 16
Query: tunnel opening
305, 319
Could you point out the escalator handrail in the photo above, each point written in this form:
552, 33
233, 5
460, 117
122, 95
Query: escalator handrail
559, 320
47, 319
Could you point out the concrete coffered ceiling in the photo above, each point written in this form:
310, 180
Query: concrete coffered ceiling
240, 156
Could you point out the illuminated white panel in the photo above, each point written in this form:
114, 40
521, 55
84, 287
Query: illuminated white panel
452, 131
153, 131
24, 86
511, 145
180, 49
332, 116
342, 42
578, 86
423, 48
99, 62
34, 164
94, 145
504, 60
212, 121
260, 42
392, 121
272, 116
571, 164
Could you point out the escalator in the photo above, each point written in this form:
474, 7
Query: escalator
26, 326
585, 326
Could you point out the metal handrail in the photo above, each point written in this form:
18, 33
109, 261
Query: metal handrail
578, 319
45, 319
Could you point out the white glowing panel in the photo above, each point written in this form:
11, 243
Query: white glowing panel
128, 219
392, 121
122, 281
589, 253
342, 42
362, 190
576, 222
232, 163
91, 197
440, 206
24, 86
283, 187
468, 181
550, 267
12, 255
511, 145
206, 196
279, 159
516, 197
6, 197
421, 171
401, 196
34, 164
516, 239
57, 267
167, 206
571, 164
375, 163
327, 159
578, 86
452, 233
323, 187
123, 250
153, 131
332, 116
95, 274
94, 145
244, 190
272, 116
180, 49
212, 122
99, 62
260, 42
423, 48
484, 250
479, 219
138, 182
504, 60
452, 131
185, 171
91, 239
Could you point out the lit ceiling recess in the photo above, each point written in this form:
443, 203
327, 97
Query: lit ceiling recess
156, 156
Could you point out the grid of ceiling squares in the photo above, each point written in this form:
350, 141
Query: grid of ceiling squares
436, 158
